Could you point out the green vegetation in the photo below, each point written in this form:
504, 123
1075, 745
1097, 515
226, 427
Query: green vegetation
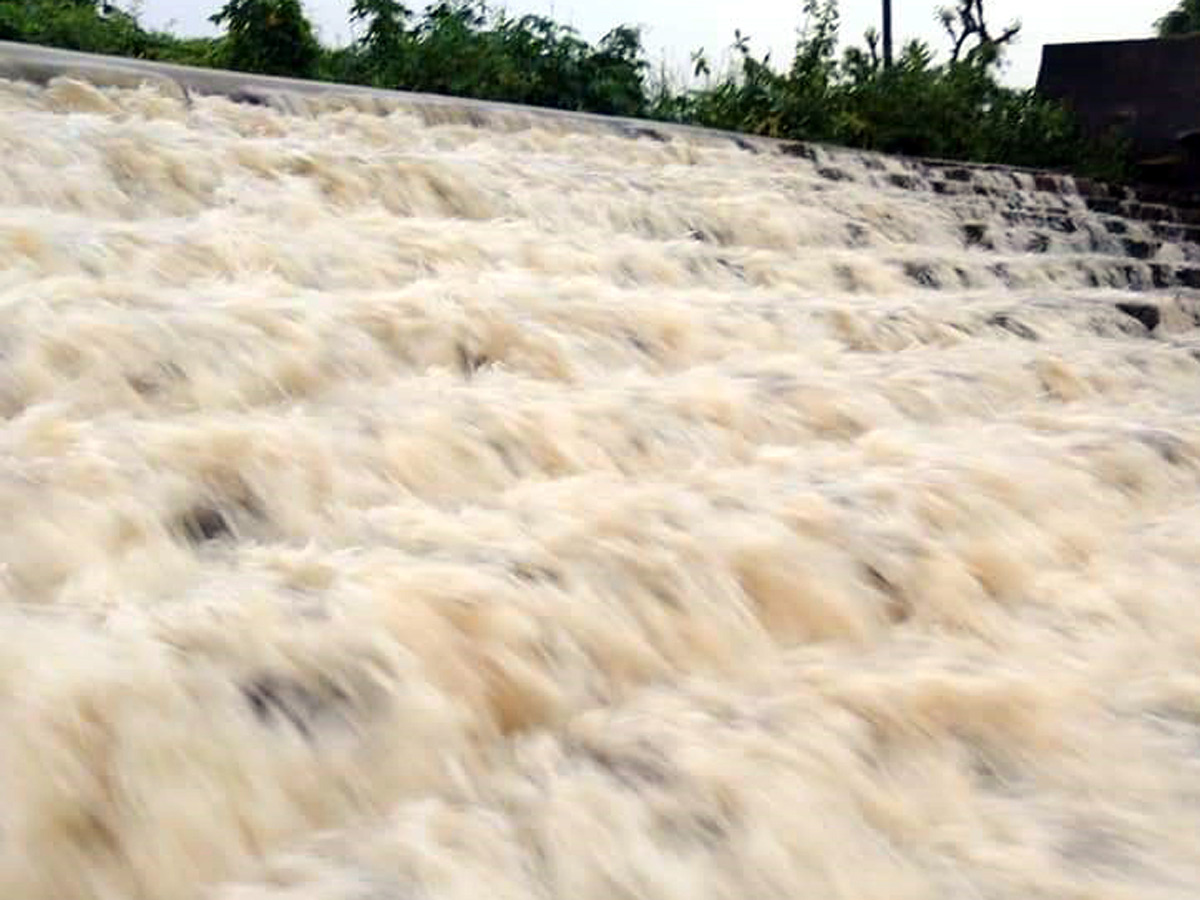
952, 110
268, 36
1183, 19
464, 50
956, 109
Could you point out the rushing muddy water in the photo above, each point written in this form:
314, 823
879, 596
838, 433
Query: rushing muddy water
411, 506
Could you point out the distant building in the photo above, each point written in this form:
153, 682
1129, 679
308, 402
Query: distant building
1147, 89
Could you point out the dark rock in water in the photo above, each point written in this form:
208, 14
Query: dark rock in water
796, 148
154, 381
638, 767
957, 175
640, 131
922, 274
1188, 277
1116, 226
1160, 275
1151, 212
276, 699
736, 269
1013, 326
249, 96
1145, 313
469, 361
898, 607
743, 144
1133, 278
1104, 205
533, 573
1063, 224
1047, 183
847, 278
975, 234
1170, 447
904, 182
834, 174
1039, 243
1139, 249
204, 523
858, 235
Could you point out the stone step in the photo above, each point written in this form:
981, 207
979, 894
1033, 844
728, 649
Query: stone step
1120, 274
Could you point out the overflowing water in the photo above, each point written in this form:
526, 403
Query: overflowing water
434, 505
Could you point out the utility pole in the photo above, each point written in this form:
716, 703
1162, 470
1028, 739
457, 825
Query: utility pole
887, 33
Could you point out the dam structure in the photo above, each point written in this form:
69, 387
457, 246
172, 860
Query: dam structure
407, 497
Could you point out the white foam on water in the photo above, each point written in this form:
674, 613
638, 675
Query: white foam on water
425, 505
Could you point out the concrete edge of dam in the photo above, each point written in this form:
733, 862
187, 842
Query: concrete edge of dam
39, 65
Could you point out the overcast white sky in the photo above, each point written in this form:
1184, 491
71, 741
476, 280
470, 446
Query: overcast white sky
673, 28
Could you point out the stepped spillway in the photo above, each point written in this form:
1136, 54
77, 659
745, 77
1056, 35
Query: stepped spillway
407, 498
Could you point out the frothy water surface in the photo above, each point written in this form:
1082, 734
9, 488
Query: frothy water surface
414, 506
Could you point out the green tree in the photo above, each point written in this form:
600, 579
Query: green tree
268, 36
386, 24
1183, 19
74, 24
617, 85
